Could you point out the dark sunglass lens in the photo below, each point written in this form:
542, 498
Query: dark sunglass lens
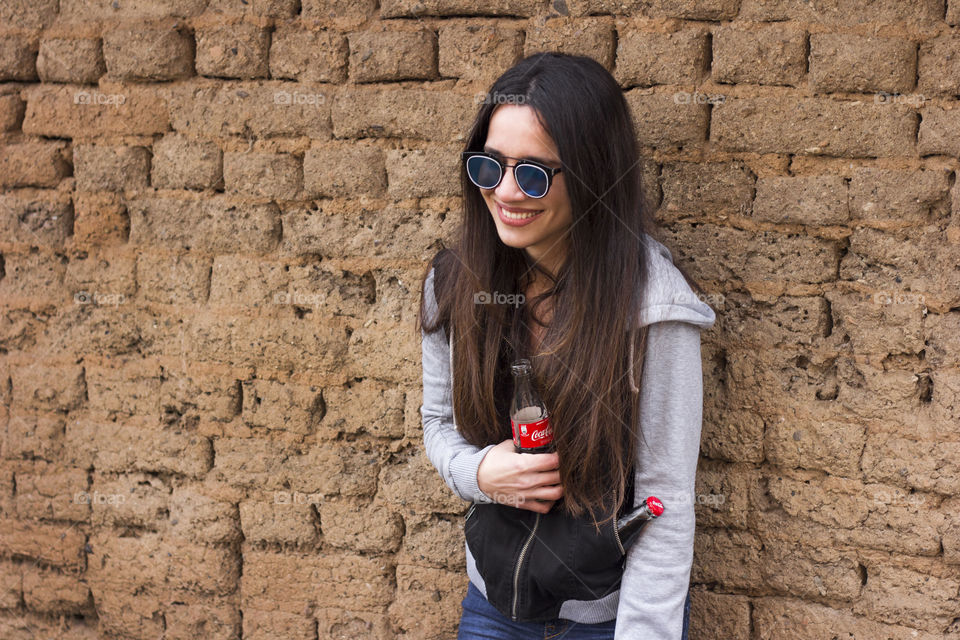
533, 180
484, 172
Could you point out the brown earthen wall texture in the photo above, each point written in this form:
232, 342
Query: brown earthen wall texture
213, 219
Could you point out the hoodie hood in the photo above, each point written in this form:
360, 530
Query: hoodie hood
668, 296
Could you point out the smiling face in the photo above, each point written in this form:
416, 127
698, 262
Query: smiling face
515, 132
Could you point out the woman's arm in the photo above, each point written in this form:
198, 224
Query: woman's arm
657, 572
456, 459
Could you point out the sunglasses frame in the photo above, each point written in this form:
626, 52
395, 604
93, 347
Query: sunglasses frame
550, 171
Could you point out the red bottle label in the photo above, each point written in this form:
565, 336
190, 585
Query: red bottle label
531, 435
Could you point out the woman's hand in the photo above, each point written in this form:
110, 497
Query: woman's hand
523, 480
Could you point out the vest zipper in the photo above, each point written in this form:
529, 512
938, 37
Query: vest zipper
516, 571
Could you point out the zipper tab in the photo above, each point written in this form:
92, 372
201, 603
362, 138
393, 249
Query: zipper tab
516, 571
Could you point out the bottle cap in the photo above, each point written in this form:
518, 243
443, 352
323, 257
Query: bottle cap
655, 506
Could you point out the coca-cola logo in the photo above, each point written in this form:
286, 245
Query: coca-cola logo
541, 434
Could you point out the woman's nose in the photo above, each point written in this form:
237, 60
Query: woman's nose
507, 190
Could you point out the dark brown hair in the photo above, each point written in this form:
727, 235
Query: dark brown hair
582, 372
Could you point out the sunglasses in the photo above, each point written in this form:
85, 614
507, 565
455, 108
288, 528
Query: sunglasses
486, 171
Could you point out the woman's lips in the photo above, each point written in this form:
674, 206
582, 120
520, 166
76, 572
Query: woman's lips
503, 212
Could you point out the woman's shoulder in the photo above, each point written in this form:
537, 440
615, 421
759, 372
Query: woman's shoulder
667, 295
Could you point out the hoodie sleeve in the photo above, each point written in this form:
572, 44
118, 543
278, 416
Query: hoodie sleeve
657, 572
456, 459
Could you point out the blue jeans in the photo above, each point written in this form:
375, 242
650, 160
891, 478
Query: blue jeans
481, 620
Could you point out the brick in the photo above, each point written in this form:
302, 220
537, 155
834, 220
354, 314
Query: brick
147, 449
848, 12
344, 171
417, 8
343, 15
53, 494
413, 485
263, 625
34, 436
315, 580
138, 10
33, 274
29, 14
714, 187
890, 194
592, 37
104, 278
422, 173
331, 231
273, 8
178, 279
646, 58
938, 68
57, 545
928, 466
48, 387
400, 113
816, 125
33, 164
215, 224
846, 62
282, 406
729, 615
267, 175
877, 397
252, 110
101, 220
70, 60
903, 594
233, 51
769, 54
160, 52
372, 528
246, 281
428, 598
18, 58
49, 591
344, 623
11, 112
128, 388
377, 56
477, 52
213, 617
937, 132
202, 518
665, 120
62, 111
780, 618
817, 200
11, 584
695, 9
288, 524
365, 407
191, 396
181, 163
833, 447
129, 500
782, 322
906, 262
433, 541
109, 168
309, 56
732, 435
953, 12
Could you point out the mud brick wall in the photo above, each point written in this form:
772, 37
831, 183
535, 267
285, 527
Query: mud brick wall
213, 219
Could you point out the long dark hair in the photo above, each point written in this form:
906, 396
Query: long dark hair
582, 372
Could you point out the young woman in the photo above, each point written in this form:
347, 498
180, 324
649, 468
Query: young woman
555, 263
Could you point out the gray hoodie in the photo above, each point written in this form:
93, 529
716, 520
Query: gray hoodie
649, 603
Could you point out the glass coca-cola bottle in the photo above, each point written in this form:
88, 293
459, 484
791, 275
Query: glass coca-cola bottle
529, 418
629, 526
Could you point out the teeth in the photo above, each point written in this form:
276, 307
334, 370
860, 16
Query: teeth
518, 216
